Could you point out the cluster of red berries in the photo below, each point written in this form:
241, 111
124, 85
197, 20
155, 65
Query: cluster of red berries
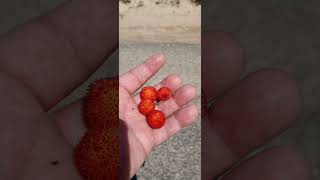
97, 155
149, 96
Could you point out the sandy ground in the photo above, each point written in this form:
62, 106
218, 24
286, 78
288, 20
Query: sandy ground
160, 21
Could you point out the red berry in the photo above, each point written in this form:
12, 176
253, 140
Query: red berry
156, 119
146, 106
97, 155
164, 94
148, 92
101, 105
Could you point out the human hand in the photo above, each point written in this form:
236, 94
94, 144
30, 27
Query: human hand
246, 114
41, 62
141, 138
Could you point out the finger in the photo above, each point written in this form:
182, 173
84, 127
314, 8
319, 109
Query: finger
136, 77
281, 163
55, 53
70, 121
175, 123
172, 81
221, 57
257, 109
181, 97
21, 115
268, 101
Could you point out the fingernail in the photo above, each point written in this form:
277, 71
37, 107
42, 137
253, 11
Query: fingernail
158, 57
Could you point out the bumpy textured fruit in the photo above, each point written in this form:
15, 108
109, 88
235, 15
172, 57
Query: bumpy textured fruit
148, 92
164, 93
97, 155
101, 105
146, 106
156, 119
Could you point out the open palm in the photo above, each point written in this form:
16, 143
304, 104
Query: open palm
141, 137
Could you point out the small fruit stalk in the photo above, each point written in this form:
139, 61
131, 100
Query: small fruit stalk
148, 95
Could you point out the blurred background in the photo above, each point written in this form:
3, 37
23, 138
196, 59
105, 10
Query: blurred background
285, 35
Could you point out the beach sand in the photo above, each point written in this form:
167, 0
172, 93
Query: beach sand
165, 21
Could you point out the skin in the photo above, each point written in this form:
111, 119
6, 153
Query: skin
247, 113
179, 113
43, 60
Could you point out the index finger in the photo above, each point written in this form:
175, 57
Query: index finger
135, 78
